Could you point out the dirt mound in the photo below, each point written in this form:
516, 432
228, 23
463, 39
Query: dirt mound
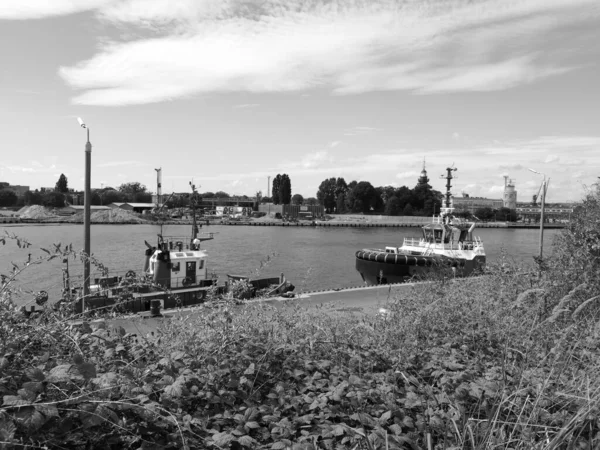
108, 216
116, 215
36, 212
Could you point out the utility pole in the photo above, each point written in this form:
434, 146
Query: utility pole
87, 197
543, 190
268, 186
544, 187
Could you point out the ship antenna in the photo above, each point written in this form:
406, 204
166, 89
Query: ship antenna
449, 178
193, 204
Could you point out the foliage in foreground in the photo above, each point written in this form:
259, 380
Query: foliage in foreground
506, 361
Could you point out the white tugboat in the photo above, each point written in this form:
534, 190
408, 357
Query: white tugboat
446, 244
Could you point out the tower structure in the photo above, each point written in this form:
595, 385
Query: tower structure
509, 199
159, 187
423, 179
449, 177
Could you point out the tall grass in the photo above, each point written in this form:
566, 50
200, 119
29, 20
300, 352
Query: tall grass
505, 361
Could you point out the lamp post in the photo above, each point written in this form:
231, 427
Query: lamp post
87, 197
544, 188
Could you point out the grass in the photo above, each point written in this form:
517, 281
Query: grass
508, 361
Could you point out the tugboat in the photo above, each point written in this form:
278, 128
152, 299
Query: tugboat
446, 245
175, 275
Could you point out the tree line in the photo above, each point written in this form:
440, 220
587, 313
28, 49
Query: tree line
61, 195
340, 197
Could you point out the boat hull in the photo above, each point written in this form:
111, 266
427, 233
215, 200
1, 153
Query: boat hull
378, 267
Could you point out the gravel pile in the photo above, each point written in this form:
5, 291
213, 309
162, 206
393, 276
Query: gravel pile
107, 216
36, 212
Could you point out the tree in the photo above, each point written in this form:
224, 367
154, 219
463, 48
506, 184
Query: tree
507, 214
222, 194
285, 190
408, 210
33, 197
112, 196
132, 188
61, 184
297, 199
485, 213
392, 206
7, 197
362, 197
311, 201
266, 200
97, 198
275, 190
326, 194
340, 203
208, 195
53, 199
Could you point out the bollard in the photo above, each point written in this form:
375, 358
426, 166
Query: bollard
155, 308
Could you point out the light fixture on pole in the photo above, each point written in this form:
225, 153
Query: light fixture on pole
543, 191
87, 197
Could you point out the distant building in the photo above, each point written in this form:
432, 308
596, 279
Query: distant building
552, 212
19, 190
471, 204
423, 180
510, 194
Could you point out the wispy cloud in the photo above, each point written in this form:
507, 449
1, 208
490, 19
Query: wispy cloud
356, 131
316, 159
121, 163
37, 9
346, 46
246, 105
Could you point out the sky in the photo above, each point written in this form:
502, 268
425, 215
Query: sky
226, 93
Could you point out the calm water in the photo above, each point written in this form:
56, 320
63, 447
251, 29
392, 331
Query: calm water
311, 258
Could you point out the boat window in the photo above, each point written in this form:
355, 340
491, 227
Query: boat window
201, 264
176, 267
438, 235
179, 254
189, 254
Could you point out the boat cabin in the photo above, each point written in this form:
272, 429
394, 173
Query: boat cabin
437, 233
178, 263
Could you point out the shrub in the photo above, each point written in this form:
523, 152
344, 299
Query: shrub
508, 360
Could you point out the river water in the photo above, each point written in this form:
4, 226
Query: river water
311, 258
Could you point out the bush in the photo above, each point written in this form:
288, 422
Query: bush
508, 360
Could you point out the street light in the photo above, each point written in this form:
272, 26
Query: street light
544, 188
87, 197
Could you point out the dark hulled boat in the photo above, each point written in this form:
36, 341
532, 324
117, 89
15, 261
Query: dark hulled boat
447, 245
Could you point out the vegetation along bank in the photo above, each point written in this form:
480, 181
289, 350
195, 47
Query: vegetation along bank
499, 362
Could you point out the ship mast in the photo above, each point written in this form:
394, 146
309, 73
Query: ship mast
449, 178
193, 205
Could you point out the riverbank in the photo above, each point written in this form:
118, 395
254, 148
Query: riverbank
132, 219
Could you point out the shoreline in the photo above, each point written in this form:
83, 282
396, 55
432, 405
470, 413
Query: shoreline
278, 223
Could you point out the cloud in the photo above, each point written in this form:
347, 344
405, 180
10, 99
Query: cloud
37, 9
511, 167
246, 105
409, 174
552, 158
334, 144
121, 163
316, 159
345, 46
